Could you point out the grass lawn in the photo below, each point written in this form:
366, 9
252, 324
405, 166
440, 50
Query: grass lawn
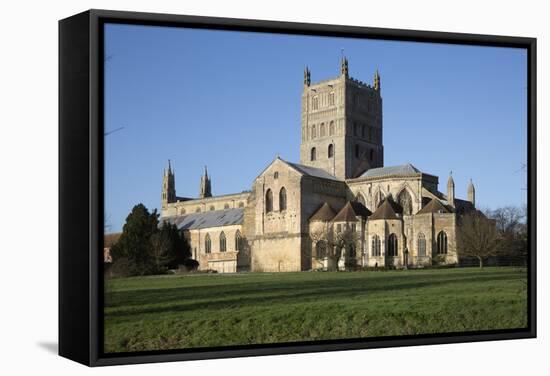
185, 311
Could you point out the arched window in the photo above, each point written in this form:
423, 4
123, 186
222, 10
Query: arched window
321, 249
442, 243
331, 128
421, 245
375, 246
322, 130
207, 244
392, 245
404, 199
282, 199
331, 151
226, 206
276, 175
359, 198
268, 201
313, 131
238, 241
315, 103
223, 247
357, 151
313, 154
331, 99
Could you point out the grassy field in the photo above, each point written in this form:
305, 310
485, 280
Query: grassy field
185, 311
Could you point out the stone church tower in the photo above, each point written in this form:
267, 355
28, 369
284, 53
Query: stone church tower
342, 124
168, 187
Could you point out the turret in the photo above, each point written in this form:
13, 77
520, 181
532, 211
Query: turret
206, 187
377, 81
472, 193
451, 190
168, 186
344, 69
307, 77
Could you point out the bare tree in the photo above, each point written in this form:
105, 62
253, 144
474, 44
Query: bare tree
344, 241
478, 236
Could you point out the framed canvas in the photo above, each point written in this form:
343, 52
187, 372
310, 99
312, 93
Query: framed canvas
338, 187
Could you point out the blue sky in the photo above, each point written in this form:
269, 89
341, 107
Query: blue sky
231, 100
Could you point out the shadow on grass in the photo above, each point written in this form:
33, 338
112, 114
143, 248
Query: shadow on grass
215, 297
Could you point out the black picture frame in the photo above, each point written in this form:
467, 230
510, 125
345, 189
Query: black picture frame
81, 175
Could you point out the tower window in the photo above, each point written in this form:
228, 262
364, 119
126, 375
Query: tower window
322, 130
276, 175
282, 199
315, 103
268, 201
357, 151
331, 128
355, 129
313, 131
331, 151
371, 154
313, 154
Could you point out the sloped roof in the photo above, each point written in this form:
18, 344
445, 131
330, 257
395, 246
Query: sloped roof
214, 218
312, 171
360, 209
388, 210
324, 213
346, 214
434, 206
402, 170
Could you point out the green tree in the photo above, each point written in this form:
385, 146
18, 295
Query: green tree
132, 251
178, 249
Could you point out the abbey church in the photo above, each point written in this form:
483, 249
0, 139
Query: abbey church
338, 208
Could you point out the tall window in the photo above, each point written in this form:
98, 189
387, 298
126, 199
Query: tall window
442, 243
331, 151
359, 198
331, 128
421, 245
238, 241
371, 154
322, 130
276, 175
331, 99
375, 245
392, 245
357, 151
404, 199
313, 154
268, 201
282, 199
313, 132
223, 247
207, 244
315, 103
